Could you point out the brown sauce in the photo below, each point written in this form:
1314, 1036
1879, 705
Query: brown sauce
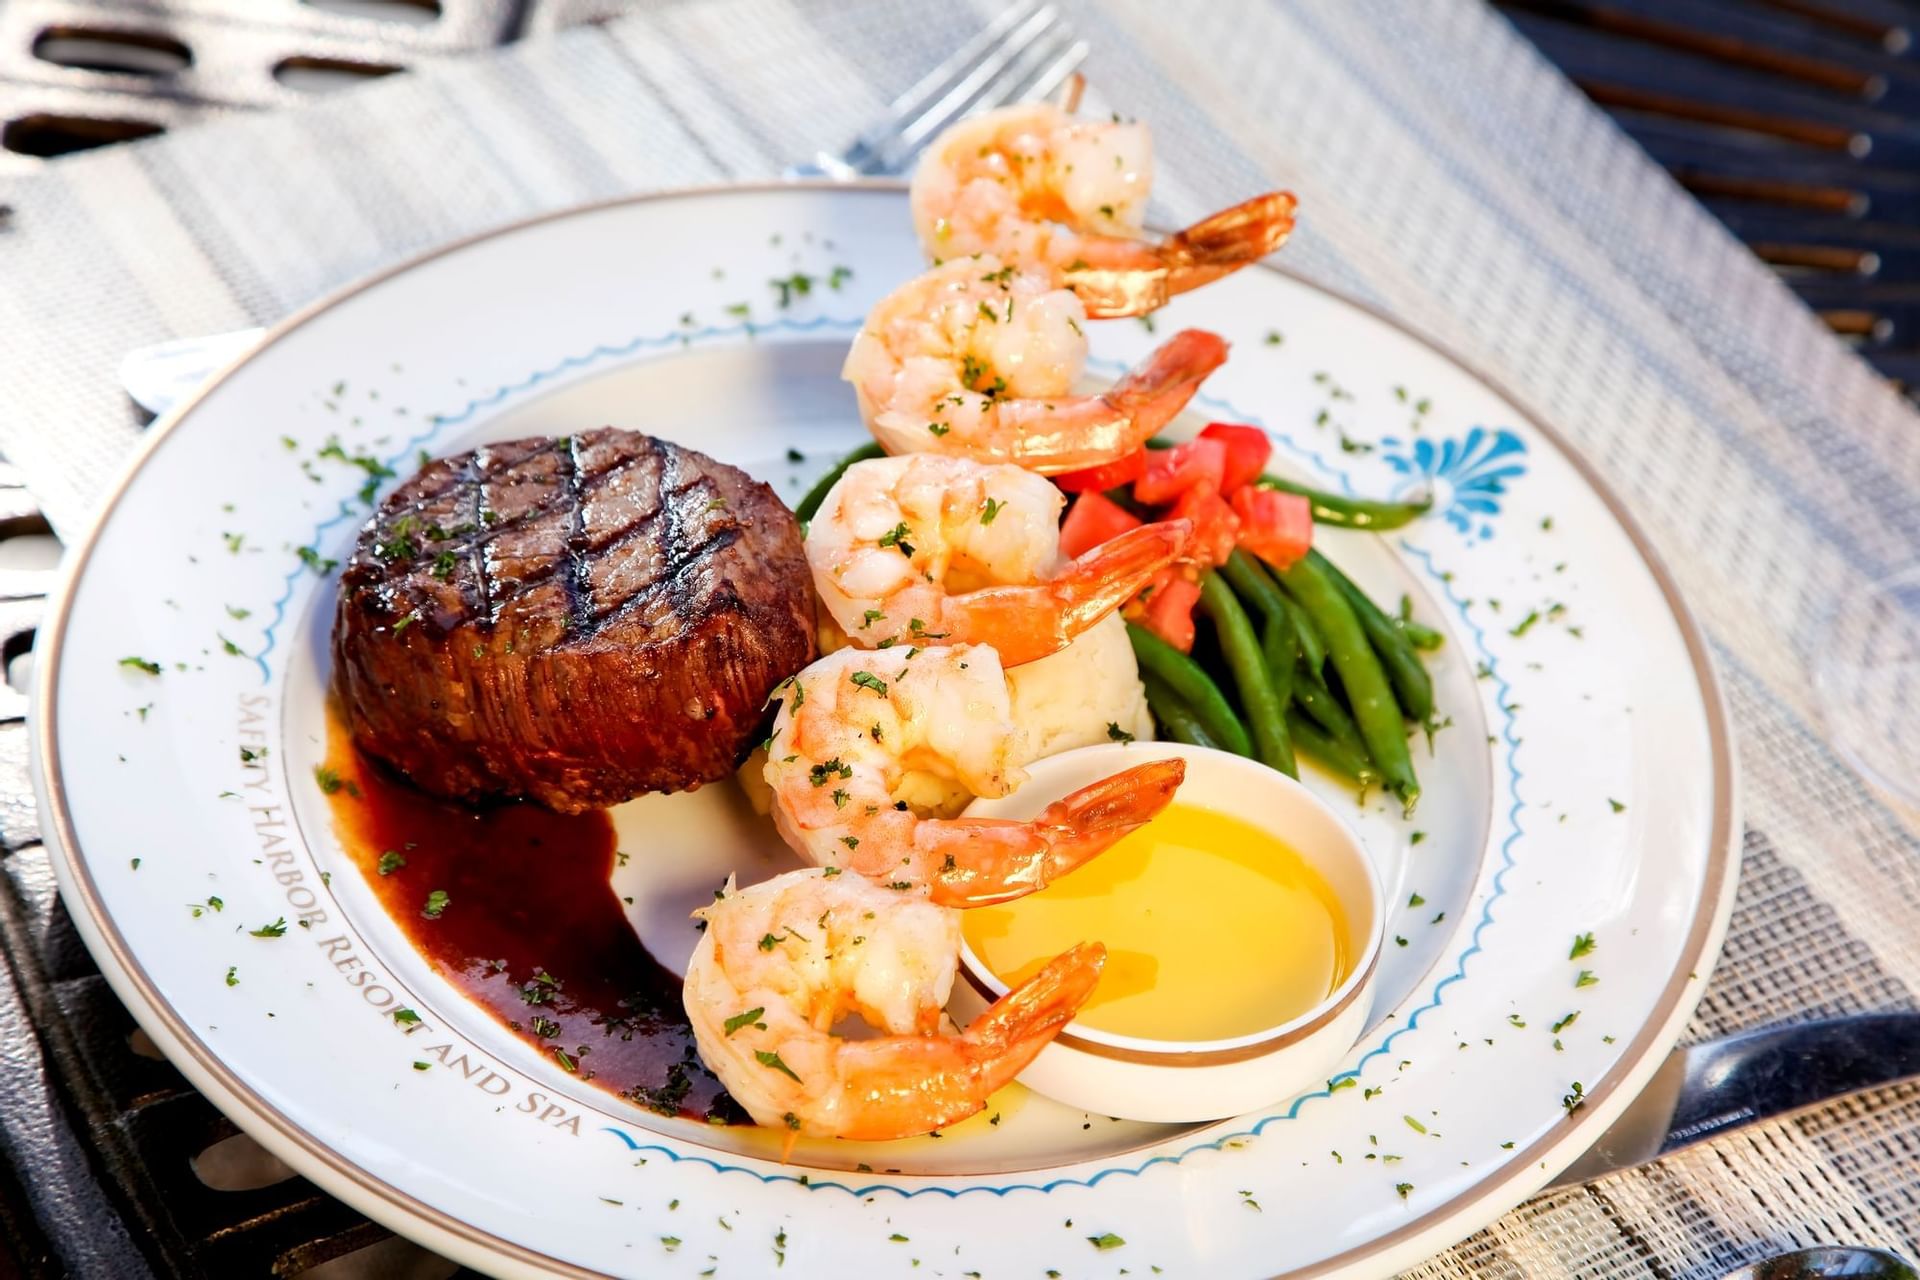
529, 929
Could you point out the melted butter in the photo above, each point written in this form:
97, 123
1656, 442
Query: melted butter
1214, 928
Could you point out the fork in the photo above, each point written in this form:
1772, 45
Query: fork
1026, 53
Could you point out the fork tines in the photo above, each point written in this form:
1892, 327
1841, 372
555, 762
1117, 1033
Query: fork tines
1026, 52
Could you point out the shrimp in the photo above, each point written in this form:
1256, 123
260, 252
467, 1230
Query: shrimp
852, 726
897, 541
782, 961
1036, 187
978, 359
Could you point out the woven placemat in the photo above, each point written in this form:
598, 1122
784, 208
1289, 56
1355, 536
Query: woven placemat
1449, 176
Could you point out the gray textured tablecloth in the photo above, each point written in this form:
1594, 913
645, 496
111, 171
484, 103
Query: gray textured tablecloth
1450, 177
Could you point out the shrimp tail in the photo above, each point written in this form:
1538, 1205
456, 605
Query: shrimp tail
1227, 241
897, 1086
1019, 1024
1026, 623
989, 860
1051, 437
1111, 574
1153, 392
1113, 277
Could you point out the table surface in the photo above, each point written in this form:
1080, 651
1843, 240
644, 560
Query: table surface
1448, 175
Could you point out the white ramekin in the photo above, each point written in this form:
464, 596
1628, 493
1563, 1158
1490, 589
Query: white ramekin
1170, 1080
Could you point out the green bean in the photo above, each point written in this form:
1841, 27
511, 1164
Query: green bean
1341, 511
1313, 645
1176, 718
1316, 744
1184, 676
1411, 683
1313, 697
1252, 579
1374, 709
804, 510
1419, 635
1282, 652
1253, 584
1265, 711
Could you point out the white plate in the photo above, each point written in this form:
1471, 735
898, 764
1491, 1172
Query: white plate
1584, 785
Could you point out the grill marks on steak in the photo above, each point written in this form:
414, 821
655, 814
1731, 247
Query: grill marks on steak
575, 620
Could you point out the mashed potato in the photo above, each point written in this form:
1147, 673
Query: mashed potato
1069, 700
1060, 702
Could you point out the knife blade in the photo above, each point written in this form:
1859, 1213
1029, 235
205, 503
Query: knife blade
1707, 1089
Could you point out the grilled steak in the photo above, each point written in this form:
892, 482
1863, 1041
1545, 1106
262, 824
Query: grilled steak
574, 621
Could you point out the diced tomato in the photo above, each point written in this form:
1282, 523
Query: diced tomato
1248, 449
1108, 476
1091, 520
1277, 527
1215, 526
1169, 612
1171, 472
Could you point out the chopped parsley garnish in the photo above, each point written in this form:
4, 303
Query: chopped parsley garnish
1565, 1022
740, 1020
1404, 1188
897, 537
390, 862
797, 285
1617, 806
1415, 900
1582, 945
1344, 1082
989, 510
331, 782
422, 1066
852, 842
201, 908
972, 369
1574, 1099
233, 971
840, 798
443, 565
839, 276
820, 773
870, 617
141, 664
567, 1063
768, 1058
316, 562
1525, 624
1105, 1240
1414, 1124
238, 614
250, 754
437, 902
868, 680
405, 1017
897, 1238
1275, 337
900, 886
1116, 734
938, 428
236, 542
1586, 979
988, 313
278, 929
